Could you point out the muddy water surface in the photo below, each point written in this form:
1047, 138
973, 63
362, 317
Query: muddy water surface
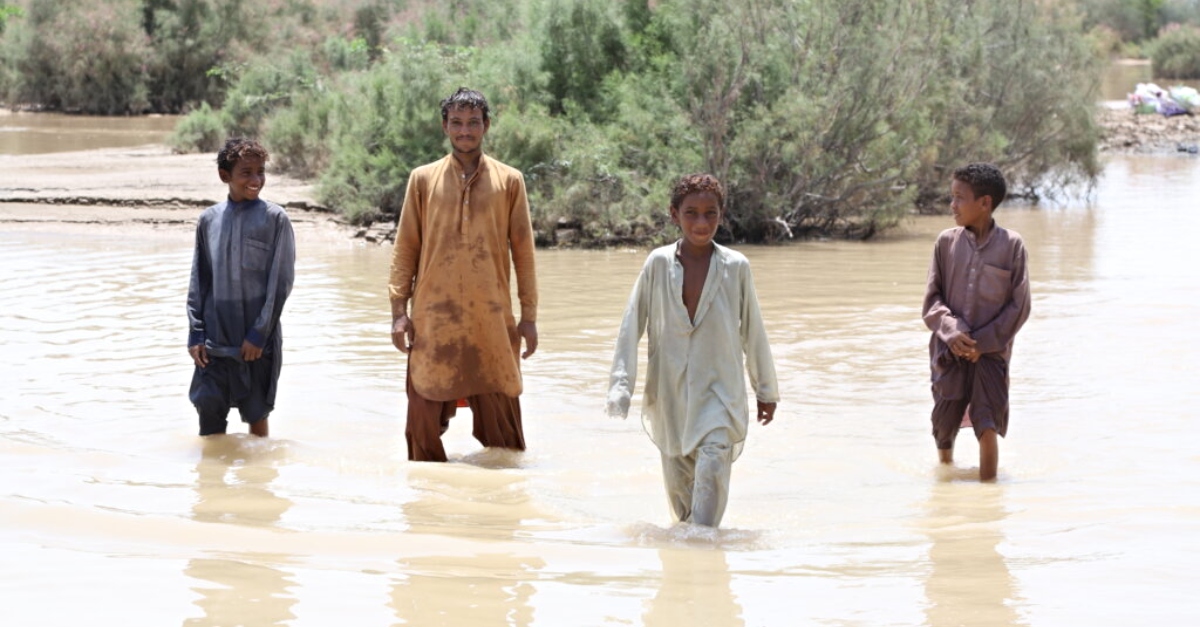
111, 509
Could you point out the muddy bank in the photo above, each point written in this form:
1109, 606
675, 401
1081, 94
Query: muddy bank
1123, 131
150, 188
147, 187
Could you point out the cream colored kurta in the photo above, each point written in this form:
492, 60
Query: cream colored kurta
452, 262
695, 382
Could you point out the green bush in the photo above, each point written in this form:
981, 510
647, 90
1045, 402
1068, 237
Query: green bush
80, 57
1176, 53
202, 130
386, 123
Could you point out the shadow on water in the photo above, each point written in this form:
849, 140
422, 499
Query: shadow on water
233, 486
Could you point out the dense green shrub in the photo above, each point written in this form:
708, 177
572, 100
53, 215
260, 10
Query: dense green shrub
822, 117
203, 130
76, 56
1176, 53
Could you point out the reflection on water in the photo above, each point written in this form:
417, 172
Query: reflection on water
451, 590
969, 582
836, 515
694, 591
233, 486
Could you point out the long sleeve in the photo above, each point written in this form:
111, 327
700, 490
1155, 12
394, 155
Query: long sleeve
198, 287
759, 363
937, 315
280, 278
520, 237
623, 376
998, 333
407, 252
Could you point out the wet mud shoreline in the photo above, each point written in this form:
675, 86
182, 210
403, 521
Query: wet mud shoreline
148, 188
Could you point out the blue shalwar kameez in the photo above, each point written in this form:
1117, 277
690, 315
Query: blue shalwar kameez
243, 267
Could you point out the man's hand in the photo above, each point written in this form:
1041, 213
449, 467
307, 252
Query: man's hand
250, 352
528, 330
402, 333
962, 345
766, 413
199, 355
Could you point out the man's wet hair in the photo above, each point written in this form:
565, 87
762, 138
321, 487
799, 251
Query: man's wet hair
984, 179
465, 99
238, 148
695, 184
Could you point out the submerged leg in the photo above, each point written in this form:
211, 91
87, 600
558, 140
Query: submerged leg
679, 478
714, 461
497, 421
989, 455
426, 421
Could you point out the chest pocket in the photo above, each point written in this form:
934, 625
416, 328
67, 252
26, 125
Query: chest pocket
256, 255
995, 284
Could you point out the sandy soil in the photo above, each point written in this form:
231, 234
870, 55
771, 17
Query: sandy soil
150, 188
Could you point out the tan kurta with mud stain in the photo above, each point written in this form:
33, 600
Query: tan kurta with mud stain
452, 262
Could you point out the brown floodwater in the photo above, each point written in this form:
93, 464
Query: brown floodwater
30, 133
1122, 77
113, 510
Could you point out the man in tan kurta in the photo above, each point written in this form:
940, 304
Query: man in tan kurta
463, 217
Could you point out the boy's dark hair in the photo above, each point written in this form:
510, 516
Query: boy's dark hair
985, 179
465, 99
695, 184
238, 148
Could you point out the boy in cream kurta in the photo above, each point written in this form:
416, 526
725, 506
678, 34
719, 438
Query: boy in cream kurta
696, 301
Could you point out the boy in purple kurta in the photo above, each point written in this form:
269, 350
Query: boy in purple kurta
976, 300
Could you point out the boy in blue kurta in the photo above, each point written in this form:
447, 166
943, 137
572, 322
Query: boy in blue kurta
696, 301
242, 271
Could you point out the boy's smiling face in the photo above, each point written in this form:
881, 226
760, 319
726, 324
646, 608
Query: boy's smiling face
971, 211
246, 179
698, 216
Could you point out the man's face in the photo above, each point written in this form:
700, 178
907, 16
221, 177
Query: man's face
465, 127
246, 179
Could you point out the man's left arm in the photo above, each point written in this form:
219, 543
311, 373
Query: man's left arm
521, 243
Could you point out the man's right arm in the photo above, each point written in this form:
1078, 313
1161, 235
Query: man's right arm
405, 257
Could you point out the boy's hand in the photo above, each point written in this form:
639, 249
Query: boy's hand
962, 344
250, 352
973, 355
528, 330
618, 406
402, 334
766, 413
199, 355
